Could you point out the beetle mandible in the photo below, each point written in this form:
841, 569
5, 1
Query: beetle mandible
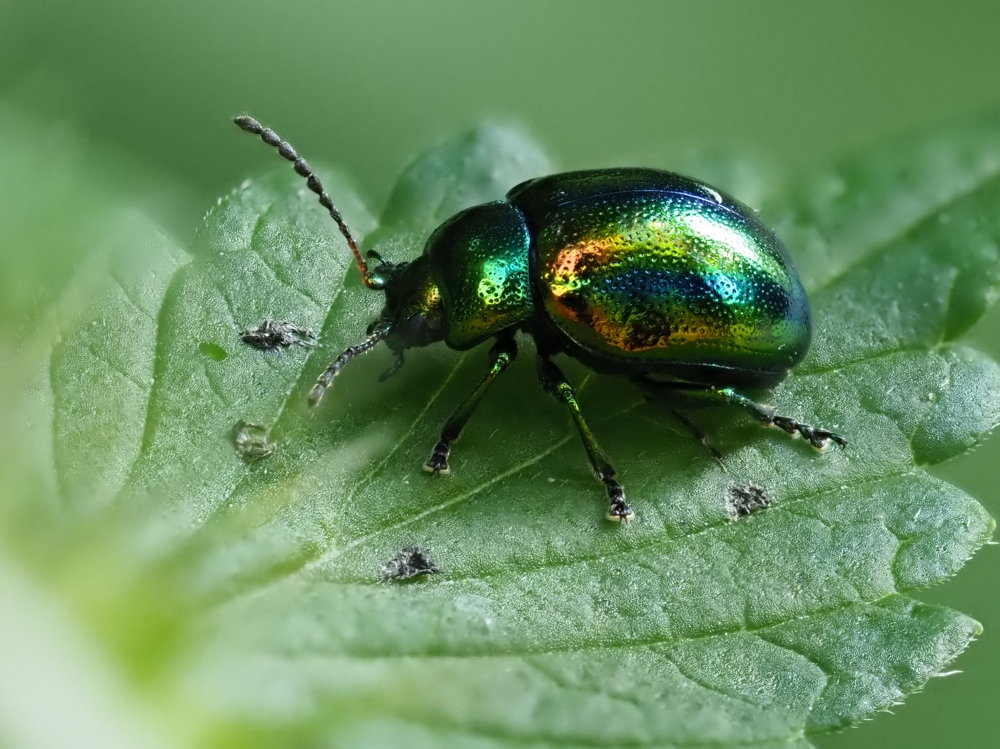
635, 272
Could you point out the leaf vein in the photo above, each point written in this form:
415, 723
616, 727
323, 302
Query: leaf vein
658, 540
886, 243
150, 419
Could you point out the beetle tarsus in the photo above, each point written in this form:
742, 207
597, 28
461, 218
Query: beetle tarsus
437, 464
818, 438
619, 510
319, 389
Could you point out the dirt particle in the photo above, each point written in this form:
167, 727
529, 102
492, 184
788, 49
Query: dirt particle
251, 440
272, 335
409, 562
746, 499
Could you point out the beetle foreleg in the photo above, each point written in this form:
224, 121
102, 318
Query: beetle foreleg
555, 382
502, 354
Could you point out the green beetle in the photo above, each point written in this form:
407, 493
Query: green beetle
635, 272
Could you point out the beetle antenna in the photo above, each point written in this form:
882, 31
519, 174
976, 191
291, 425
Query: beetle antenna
326, 379
312, 181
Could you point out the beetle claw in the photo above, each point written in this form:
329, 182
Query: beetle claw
841, 441
437, 464
816, 437
619, 510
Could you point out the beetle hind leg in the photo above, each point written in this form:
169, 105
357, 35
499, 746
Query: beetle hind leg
555, 382
815, 436
501, 355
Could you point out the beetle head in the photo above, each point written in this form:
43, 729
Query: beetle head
413, 312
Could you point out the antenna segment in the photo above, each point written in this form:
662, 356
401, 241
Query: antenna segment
302, 167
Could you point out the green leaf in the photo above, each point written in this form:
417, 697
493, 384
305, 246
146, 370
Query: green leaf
243, 598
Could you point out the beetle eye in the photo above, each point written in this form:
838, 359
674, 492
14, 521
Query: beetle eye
376, 280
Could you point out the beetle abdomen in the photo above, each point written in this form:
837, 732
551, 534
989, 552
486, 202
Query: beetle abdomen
663, 272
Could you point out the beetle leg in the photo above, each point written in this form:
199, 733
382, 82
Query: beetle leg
651, 388
816, 436
699, 435
555, 382
501, 355
326, 379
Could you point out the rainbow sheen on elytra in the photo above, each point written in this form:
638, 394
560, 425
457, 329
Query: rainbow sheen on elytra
671, 273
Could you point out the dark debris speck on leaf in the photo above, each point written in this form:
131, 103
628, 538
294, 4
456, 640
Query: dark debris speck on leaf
746, 499
272, 335
409, 562
251, 440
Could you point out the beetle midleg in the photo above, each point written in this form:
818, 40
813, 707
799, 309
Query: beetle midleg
699, 435
816, 436
650, 388
555, 382
501, 355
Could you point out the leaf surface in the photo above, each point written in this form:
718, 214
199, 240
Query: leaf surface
244, 596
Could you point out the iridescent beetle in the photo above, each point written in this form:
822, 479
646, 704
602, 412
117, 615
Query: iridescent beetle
635, 272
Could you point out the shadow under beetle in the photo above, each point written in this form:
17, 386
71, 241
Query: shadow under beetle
635, 272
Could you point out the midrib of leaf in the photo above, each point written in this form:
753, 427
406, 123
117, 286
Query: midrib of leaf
787, 504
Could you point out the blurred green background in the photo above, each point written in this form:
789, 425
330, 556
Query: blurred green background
148, 91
